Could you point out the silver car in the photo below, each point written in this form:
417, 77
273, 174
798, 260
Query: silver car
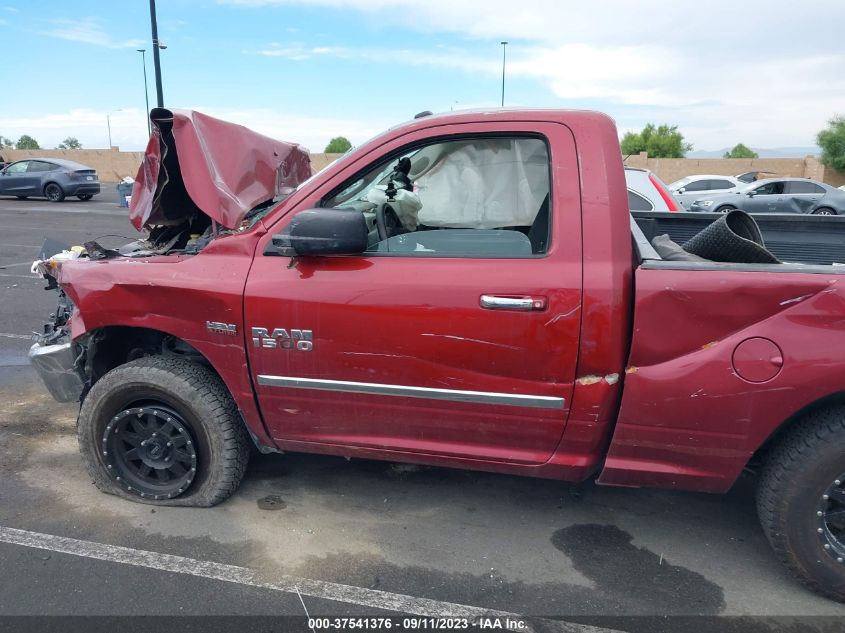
688, 190
51, 178
646, 192
778, 195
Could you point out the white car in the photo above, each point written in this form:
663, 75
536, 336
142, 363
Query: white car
646, 192
688, 190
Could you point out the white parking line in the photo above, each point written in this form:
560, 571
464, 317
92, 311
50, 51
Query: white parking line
22, 336
244, 576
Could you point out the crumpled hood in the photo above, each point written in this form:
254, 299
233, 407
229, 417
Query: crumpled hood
196, 163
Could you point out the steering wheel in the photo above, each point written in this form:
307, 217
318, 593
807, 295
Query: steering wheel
387, 222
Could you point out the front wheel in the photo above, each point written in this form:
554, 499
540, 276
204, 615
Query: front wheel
726, 208
801, 501
164, 431
824, 211
85, 196
54, 193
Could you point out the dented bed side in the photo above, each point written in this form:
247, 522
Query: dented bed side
722, 355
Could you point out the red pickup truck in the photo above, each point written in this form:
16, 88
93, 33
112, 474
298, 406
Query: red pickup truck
467, 290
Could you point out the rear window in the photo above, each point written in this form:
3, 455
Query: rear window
803, 187
39, 166
636, 202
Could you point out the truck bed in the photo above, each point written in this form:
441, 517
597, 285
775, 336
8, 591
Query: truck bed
803, 239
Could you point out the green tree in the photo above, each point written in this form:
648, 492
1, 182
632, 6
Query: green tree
664, 141
71, 142
338, 145
741, 151
832, 141
27, 142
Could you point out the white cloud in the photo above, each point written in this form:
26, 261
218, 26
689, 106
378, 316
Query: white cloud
720, 75
88, 31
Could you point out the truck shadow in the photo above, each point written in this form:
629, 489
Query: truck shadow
545, 547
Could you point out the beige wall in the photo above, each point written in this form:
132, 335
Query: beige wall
672, 169
112, 165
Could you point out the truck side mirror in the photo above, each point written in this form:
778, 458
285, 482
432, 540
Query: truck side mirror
324, 232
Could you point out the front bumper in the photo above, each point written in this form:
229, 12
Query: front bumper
56, 365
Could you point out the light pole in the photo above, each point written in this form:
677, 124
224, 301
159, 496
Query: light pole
143, 52
504, 48
108, 123
156, 46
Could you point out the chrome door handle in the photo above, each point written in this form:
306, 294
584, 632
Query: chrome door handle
524, 304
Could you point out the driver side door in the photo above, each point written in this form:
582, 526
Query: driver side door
436, 344
13, 180
765, 199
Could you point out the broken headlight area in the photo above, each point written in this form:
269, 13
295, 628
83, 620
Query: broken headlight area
58, 360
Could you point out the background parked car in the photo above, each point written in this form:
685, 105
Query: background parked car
646, 192
778, 195
688, 190
753, 176
51, 178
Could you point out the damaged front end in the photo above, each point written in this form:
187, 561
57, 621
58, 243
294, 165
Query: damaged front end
58, 360
201, 179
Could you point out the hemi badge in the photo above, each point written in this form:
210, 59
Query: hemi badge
221, 328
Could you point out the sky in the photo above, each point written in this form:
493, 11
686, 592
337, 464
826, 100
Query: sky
765, 73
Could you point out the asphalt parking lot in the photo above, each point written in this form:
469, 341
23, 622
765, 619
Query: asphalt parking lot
345, 537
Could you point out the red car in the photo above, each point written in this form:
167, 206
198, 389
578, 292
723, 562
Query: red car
466, 290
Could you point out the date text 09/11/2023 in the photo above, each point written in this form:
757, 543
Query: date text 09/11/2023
505, 623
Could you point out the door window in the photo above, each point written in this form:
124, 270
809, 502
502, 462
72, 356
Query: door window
720, 184
18, 168
770, 188
467, 197
696, 185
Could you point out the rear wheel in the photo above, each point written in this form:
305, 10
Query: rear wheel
85, 196
801, 501
164, 431
54, 193
824, 211
726, 208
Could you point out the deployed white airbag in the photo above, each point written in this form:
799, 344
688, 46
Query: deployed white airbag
482, 184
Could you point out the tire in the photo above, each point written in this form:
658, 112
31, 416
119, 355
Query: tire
806, 465
21, 197
85, 196
726, 208
824, 211
163, 401
54, 193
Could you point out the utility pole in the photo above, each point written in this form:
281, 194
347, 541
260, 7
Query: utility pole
143, 52
108, 123
156, 60
504, 48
